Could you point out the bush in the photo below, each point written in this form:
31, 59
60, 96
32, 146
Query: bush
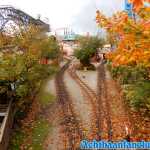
136, 85
50, 48
87, 49
128, 74
138, 95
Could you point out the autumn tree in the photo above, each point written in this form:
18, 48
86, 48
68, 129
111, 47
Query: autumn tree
131, 38
138, 4
20, 70
130, 60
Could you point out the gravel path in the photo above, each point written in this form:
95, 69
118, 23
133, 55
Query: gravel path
89, 77
83, 108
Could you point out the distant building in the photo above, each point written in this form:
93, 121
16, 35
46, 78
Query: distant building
67, 49
69, 37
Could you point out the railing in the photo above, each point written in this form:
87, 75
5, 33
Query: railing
6, 115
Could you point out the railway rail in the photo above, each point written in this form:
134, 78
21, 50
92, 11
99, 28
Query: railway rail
96, 101
102, 90
70, 122
102, 86
101, 106
92, 97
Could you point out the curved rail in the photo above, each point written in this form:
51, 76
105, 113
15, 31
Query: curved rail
91, 96
70, 122
102, 89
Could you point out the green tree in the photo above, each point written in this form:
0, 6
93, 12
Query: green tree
50, 48
87, 48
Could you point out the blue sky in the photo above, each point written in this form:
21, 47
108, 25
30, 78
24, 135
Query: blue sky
77, 14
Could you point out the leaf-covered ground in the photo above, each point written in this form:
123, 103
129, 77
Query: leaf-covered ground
47, 130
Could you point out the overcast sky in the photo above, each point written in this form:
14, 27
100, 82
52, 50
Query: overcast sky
77, 14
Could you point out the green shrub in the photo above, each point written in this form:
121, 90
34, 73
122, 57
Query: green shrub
87, 48
136, 85
129, 74
138, 95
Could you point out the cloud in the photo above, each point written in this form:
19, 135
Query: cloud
84, 21
79, 14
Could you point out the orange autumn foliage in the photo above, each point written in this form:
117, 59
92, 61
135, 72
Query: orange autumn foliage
132, 39
138, 3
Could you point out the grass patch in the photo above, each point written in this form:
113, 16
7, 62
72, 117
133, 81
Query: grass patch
40, 131
46, 98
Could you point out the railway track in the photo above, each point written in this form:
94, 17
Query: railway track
70, 122
96, 101
92, 97
101, 107
102, 90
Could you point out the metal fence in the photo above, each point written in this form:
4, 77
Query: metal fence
6, 126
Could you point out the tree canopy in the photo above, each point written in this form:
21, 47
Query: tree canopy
20, 69
88, 46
